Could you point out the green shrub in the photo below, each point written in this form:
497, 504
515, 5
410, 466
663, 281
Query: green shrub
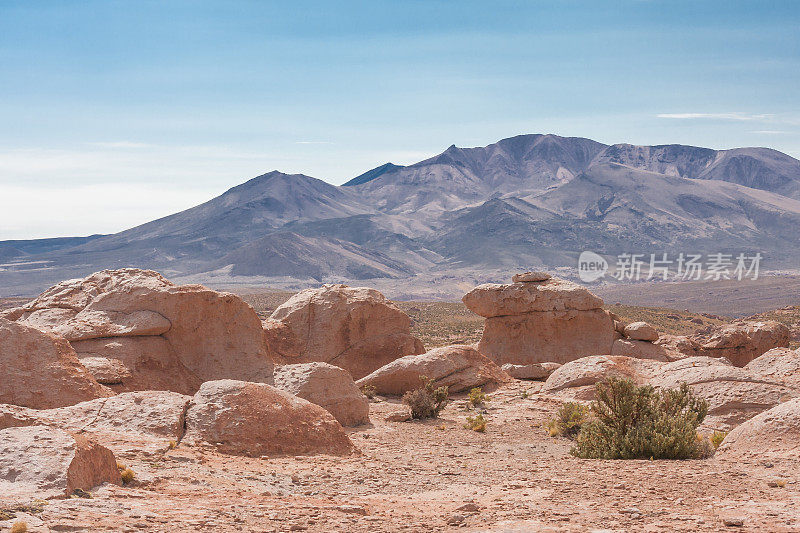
569, 419
717, 437
631, 422
426, 402
477, 397
476, 423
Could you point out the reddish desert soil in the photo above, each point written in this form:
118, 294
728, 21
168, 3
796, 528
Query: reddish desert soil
437, 476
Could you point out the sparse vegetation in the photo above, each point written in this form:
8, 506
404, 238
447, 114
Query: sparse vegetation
717, 437
426, 401
569, 420
370, 391
476, 423
20, 526
126, 473
632, 422
477, 398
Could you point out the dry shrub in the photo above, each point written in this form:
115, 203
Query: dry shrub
20, 526
126, 473
370, 391
631, 422
569, 420
477, 397
717, 437
426, 402
476, 423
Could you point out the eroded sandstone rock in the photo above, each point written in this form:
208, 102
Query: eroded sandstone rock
773, 434
40, 370
354, 328
577, 379
742, 342
640, 331
459, 367
328, 386
533, 371
256, 419
45, 462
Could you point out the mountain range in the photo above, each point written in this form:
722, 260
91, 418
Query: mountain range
524, 202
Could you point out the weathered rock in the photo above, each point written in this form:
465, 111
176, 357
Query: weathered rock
166, 336
354, 328
328, 386
106, 371
742, 342
495, 300
533, 371
550, 321
40, 370
643, 350
640, 331
282, 343
530, 277
576, 379
680, 344
459, 367
256, 419
44, 462
773, 434
733, 394
142, 420
780, 365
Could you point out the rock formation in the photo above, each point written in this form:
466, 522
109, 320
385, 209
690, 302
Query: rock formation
458, 367
44, 462
40, 370
533, 371
328, 386
742, 342
256, 419
576, 379
544, 321
354, 328
771, 435
139, 331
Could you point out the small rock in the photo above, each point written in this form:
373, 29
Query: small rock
398, 416
455, 520
469, 508
733, 522
530, 277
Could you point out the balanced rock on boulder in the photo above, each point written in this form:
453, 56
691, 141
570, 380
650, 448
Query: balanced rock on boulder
139, 331
41, 371
328, 386
354, 328
44, 462
255, 419
534, 322
459, 367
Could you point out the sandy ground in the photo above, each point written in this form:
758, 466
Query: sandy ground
435, 476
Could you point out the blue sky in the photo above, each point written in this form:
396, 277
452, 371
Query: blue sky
114, 113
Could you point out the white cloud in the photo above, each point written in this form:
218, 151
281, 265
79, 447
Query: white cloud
717, 116
120, 144
771, 132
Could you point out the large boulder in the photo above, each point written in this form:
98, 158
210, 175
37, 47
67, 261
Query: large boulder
742, 342
154, 334
771, 435
640, 331
576, 379
733, 394
44, 462
328, 386
130, 421
40, 370
780, 365
644, 350
255, 419
535, 322
354, 328
458, 367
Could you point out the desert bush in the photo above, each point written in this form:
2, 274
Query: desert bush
126, 473
370, 391
426, 402
477, 397
569, 419
476, 423
20, 526
631, 422
717, 437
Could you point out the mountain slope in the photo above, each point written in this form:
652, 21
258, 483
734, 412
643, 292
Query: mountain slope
372, 174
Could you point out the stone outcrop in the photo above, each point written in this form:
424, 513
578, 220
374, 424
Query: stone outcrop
576, 379
255, 419
780, 365
44, 462
644, 350
533, 371
535, 322
742, 342
328, 386
459, 367
354, 328
771, 435
139, 331
40, 370
640, 331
